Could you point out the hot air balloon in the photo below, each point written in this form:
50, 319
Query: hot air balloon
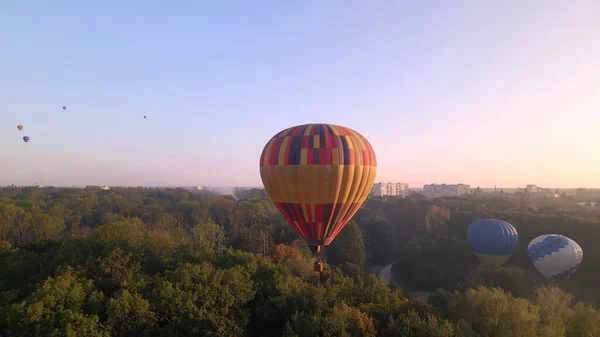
64, 107
20, 127
318, 175
492, 240
555, 256
144, 116
26, 139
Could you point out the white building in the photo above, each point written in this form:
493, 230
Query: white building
389, 189
402, 189
532, 189
443, 190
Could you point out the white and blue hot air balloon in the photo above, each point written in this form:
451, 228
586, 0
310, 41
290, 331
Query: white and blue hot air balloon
555, 256
492, 240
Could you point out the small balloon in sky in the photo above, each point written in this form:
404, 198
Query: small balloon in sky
20, 127
64, 107
26, 139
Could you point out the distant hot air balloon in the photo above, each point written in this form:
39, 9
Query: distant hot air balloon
144, 116
20, 127
64, 107
555, 256
318, 176
492, 240
26, 139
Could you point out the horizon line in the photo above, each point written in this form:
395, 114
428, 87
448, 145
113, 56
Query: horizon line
262, 187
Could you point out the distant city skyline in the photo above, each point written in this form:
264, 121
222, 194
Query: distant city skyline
479, 93
231, 188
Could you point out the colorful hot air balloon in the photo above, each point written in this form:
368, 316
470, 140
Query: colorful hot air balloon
555, 256
318, 175
64, 107
20, 127
26, 139
492, 240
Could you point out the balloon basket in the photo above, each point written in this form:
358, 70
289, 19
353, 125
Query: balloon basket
318, 265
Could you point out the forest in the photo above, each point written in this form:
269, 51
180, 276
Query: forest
177, 262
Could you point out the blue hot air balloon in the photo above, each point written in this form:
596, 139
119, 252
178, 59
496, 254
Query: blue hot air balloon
555, 256
492, 240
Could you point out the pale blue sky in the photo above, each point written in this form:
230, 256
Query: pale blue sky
480, 92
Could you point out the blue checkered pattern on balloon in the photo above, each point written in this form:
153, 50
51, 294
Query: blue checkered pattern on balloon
555, 256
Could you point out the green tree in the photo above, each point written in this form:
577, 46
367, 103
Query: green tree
346, 321
130, 230
71, 220
181, 279
10, 216
495, 313
200, 300
130, 314
348, 247
35, 228
341, 320
208, 234
63, 306
251, 239
87, 207
412, 325
436, 216
194, 212
19, 269
166, 221
352, 270
116, 271
426, 264
511, 279
380, 239
555, 312
585, 321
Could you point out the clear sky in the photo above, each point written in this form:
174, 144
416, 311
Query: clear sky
487, 93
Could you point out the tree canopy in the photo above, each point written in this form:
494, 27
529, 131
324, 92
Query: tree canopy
174, 262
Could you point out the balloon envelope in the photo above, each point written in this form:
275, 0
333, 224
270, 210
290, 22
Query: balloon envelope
492, 240
555, 256
26, 139
64, 108
318, 176
20, 127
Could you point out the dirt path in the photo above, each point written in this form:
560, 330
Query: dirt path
386, 274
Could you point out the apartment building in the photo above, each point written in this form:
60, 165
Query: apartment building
389, 189
443, 190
